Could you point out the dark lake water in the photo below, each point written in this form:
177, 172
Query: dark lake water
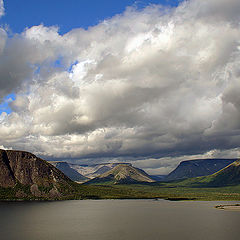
117, 219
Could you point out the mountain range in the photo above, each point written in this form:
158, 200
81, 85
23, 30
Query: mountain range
82, 173
94, 170
26, 176
126, 173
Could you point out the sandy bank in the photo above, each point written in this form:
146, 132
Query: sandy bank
235, 207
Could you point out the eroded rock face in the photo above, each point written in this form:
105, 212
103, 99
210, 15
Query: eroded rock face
35, 191
29, 169
19, 168
7, 178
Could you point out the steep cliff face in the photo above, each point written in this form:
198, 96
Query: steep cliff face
30, 176
7, 178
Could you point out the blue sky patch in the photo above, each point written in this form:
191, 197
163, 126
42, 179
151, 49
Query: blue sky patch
4, 106
67, 14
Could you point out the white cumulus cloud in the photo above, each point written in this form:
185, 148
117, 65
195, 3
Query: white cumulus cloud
146, 84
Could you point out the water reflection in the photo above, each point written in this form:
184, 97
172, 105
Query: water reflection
117, 220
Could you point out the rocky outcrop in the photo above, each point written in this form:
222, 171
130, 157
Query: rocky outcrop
32, 176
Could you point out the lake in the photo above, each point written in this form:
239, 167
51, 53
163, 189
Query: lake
117, 220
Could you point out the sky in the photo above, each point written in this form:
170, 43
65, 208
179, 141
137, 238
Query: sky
67, 15
147, 82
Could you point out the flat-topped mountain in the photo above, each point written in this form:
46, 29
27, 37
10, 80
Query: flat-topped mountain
196, 168
228, 176
123, 173
26, 176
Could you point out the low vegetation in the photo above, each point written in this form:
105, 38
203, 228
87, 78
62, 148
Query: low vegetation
170, 191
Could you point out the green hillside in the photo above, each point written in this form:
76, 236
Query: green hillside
228, 176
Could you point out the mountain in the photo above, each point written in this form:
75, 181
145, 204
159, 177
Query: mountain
123, 174
25, 176
69, 171
94, 170
196, 168
82, 173
228, 176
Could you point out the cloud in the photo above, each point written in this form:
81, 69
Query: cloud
158, 83
2, 10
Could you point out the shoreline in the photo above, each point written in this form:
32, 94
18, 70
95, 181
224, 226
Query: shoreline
235, 207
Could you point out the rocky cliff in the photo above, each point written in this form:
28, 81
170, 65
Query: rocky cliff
23, 175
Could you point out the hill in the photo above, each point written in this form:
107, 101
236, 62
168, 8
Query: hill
25, 176
196, 168
122, 174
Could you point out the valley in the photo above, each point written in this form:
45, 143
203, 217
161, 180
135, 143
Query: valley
24, 176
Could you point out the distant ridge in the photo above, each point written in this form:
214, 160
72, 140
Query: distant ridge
94, 170
69, 171
196, 168
123, 174
83, 172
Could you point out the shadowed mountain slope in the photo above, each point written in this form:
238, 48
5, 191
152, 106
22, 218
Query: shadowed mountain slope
69, 171
196, 168
228, 176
